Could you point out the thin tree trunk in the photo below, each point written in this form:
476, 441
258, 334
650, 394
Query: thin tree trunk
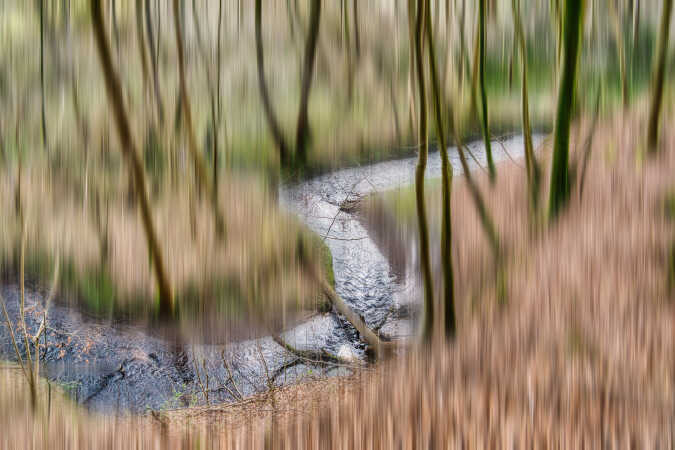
218, 106
206, 60
302, 130
289, 17
636, 28
411, 65
658, 77
270, 115
348, 53
560, 183
153, 58
464, 54
618, 37
446, 183
394, 107
197, 158
357, 36
533, 171
140, 37
116, 31
128, 148
42, 75
158, 14
475, 66
427, 326
483, 94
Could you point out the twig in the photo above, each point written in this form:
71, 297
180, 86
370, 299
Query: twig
205, 392
270, 384
48, 301
229, 372
11, 334
351, 191
468, 150
501, 144
346, 239
316, 356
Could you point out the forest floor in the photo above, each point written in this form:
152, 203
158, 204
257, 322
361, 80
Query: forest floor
578, 353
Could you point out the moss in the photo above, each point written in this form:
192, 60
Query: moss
325, 258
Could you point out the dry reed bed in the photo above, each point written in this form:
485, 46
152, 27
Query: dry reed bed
581, 354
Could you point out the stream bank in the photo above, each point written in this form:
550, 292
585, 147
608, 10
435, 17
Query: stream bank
121, 368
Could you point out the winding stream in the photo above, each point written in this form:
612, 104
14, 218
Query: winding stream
120, 368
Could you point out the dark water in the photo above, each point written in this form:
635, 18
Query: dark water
121, 368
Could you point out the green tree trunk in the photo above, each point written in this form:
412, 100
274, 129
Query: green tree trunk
618, 37
531, 166
153, 59
560, 182
140, 38
128, 148
302, 130
446, 187
658, 77
427, 326
270, 115
357, 34
42, 74
481, 81
197, 158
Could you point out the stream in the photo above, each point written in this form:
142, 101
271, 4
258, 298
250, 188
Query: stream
120, 368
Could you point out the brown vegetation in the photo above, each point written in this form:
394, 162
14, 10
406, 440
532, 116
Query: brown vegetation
581, 354
254, 272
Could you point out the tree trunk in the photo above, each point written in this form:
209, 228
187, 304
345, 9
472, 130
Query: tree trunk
357, 36
153, 59
427, 326
446, 183
560, 183
658, 77
42, 74
218, 106
270, 115
197, 158
484, 103
140, 38
532, 168
128, 148
411, 72
302, 130
636, 28
618, 38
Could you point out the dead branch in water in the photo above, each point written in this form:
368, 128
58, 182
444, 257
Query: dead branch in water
380, 347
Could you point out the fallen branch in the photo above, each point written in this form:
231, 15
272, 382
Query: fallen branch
315, 356
229, 372
501, 144
380, 347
